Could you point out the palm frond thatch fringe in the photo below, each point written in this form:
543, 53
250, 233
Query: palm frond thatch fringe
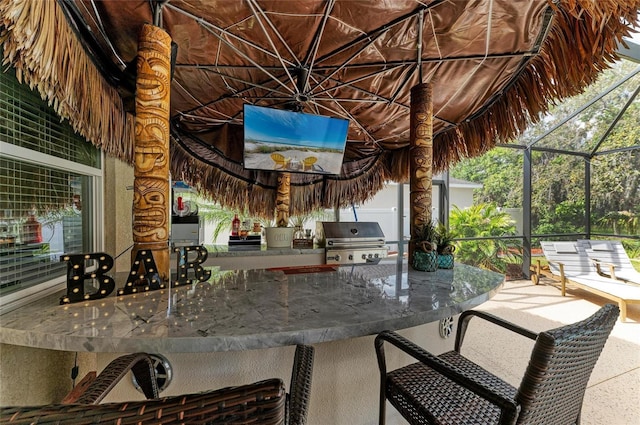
38, 42
594, 29
218, 185
259, 200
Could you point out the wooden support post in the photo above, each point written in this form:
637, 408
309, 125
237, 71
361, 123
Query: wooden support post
421, 159
283, 199
151, 198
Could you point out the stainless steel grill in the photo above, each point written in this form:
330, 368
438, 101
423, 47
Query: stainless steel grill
352, 242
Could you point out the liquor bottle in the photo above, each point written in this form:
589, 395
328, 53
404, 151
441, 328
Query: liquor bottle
235, 226
32, 229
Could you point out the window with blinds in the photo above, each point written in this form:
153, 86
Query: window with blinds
47, 175
27, 121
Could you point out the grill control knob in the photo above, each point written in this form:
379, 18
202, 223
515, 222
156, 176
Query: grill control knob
337, 257
364, 256
350, 257
370, 255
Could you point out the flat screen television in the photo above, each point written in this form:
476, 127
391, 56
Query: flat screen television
280, 140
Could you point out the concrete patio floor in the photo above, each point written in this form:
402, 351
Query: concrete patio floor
613, 393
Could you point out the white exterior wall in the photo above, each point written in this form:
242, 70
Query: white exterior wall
382, 208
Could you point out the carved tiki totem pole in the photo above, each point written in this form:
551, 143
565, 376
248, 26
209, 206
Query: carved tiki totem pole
283, 199
151, 166
420, 159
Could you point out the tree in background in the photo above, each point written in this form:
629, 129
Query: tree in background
500, 172
558, 179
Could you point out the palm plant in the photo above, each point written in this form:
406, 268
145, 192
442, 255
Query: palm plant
487, 222
424, 237
424, 257
219, 217
444, 240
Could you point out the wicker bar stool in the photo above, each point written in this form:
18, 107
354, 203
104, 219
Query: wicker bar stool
450, 389
264, 402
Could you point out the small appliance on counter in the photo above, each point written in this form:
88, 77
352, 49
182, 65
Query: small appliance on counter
186, 226
186, 231
351, 242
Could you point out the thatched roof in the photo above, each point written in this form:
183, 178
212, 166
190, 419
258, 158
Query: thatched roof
495, 66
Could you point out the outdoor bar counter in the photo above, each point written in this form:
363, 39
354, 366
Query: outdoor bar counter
250, 309
241, 325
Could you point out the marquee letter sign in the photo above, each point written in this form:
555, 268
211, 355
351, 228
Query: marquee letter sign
76, 276
183, 264
143, 276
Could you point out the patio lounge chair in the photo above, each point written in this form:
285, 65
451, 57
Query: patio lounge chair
611, 260
569, 263
281, 163
451, 389
264, 402
308, 162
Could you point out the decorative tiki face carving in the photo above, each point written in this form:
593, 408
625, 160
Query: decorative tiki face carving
151, 185
421, 162
283, 199
150, 161
423, 128
150, 199
151, 203
421, 209
154, 65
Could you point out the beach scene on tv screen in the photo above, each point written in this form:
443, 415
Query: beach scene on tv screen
282, 140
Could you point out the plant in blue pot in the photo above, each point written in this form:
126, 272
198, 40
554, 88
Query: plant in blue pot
444, 247
425, 256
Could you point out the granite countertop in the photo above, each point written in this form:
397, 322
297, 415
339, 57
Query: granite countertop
250, 309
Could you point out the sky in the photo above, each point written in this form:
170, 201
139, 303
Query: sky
279, 126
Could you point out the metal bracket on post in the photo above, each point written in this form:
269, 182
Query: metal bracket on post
164, 373
446, 327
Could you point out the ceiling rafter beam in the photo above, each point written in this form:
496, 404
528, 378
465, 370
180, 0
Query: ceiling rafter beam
213, 28
224, 31
419, 46
350, 58
404, 82
345, 112
113, 73
310, 60
385, 100
103, 33
237, 94
374, 64
356, 80
258, 12
358, 89
318, 99
382, 29
252, 84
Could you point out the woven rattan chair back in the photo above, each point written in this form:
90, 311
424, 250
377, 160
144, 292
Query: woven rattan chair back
264, 403
451, 389
258, 403
561, 363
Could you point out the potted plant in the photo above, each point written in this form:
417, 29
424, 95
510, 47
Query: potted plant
444, 247
425, 257
280, 236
